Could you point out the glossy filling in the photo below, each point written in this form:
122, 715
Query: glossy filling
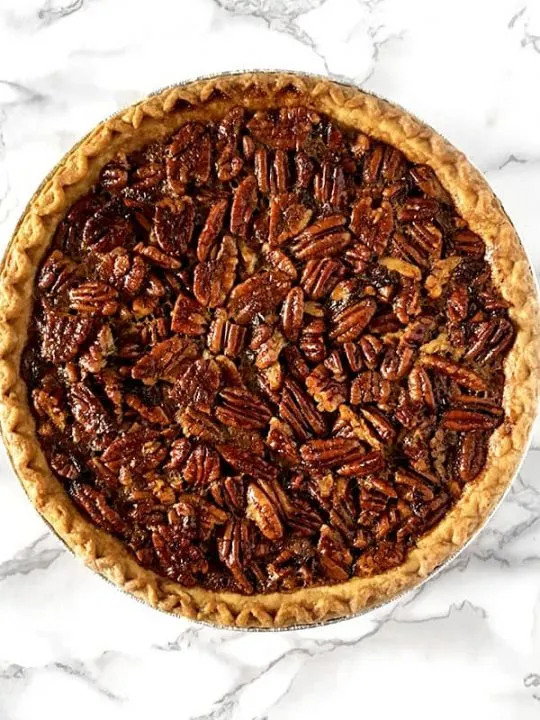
266, 353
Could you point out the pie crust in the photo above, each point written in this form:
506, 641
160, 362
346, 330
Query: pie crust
157, 117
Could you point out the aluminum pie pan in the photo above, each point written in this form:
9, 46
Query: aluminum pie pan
449, 560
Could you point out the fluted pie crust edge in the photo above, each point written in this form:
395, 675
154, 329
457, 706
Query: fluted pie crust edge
158, 116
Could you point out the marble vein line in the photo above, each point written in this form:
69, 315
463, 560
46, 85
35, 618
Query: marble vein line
12, 93
533, 680
282, 17
269, 10
50, 14
30, 558
75, 668
516, 17
512, 159
224, 708
528, 38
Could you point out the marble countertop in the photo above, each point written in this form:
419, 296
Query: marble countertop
466, 644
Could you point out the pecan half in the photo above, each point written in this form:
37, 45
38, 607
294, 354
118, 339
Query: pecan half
258, 295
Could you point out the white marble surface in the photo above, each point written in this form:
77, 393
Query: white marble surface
467, 644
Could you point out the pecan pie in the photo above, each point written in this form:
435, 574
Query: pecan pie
269, 351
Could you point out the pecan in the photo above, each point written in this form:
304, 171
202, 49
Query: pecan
335, 366
286, 129
318, 240
243, 205
47, 405
329, 453
280, 439
471, 455
463, 420
422, 244
141, 450
397, 361
114, 176
268, 351
177, 557
418, 208
199, 425
327, 391
93, 298
281, 262
428, 182
112, 387
240, 408
384, 557
197, 384
189, 156
312, 342
490, 340
94, 503
62, 335
90, 415
260, 161
407, 303
258, 295
122, 270
378, 424
212, 229
165, 361
468, 243
321, 276
370, 387
56, 272
287, 218
244, 462
232, 552
420, 388
370, 348
263, 513
202, 466
351, 322
188, 316
155, 415
173, 226
179, 453
224, 336
213, 279
372, 227
65, 466
229, 164
336, 558
142, 181
107, 228
368, 464
409, 412
292, 313
415, 482
462, 376
155, 256
297, 409
207, 514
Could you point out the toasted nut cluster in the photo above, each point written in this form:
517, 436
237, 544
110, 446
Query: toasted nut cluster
266, 353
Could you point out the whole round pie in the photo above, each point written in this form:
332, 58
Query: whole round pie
269, 350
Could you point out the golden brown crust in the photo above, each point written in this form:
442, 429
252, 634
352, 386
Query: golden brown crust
158, 116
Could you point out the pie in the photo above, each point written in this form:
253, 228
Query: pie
269, 350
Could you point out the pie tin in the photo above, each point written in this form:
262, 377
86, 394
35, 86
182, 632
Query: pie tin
444, 565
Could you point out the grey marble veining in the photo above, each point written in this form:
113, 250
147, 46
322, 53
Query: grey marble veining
465, 644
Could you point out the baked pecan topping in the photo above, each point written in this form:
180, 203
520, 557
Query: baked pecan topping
266, 352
